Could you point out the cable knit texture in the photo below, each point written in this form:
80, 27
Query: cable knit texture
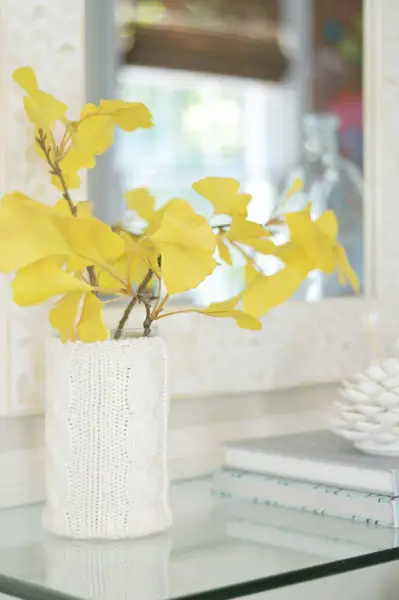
106, 436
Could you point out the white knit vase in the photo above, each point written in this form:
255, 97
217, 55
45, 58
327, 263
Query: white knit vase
368, 414
106, 436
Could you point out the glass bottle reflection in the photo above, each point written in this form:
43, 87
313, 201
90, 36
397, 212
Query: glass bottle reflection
330, 182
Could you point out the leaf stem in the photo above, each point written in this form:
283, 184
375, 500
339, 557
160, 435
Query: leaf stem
158, 307
247, 257
177, 312
240, 250
117, 277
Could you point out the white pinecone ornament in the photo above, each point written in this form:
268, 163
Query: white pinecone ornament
368, 414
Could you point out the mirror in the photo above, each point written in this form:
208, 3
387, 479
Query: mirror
263, 91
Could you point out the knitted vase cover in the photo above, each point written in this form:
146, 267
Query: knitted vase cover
106, 438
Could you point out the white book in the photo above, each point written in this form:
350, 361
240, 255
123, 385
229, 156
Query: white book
317, 457
270, 490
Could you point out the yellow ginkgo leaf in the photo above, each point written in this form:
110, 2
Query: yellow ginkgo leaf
92, 327
27, 233
129, 116
108, 283
141, 202
294, 255
42, 108
224, 251
187, 245
227, 310
85, 208
290, 253
290, 204
317, 239
42, 280
318, 246
250, 273
139, 267
71, 178
64, 315
268, 291
94, 131
328, 224
224, 195
150, 254
345, 272
94, 134
250, 234
91, 239
242, 319
62, 208
26, 79
133, 266
295, 187
145, 257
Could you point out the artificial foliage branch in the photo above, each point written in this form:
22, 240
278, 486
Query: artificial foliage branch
63, 254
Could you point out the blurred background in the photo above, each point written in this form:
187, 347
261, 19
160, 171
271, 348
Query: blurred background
259, 90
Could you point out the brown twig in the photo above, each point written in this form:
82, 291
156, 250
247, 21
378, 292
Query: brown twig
66, 194
57, 171
124, 318
147, 321
126, 314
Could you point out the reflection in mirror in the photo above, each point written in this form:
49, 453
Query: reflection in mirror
263, 91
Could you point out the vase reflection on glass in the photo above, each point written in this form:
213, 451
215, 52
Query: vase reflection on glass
330, 182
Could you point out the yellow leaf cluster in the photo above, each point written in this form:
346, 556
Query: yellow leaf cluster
83, 139
64, 254
311, 244
49, 251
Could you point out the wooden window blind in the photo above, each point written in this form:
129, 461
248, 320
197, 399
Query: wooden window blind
227, 37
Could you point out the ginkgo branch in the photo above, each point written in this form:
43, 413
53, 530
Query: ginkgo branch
126, 314
56, 170
224, 227
148, 320
124, 318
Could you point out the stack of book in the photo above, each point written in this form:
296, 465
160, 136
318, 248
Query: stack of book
315, 472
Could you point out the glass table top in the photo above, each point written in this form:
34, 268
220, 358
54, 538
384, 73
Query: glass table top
216, 549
